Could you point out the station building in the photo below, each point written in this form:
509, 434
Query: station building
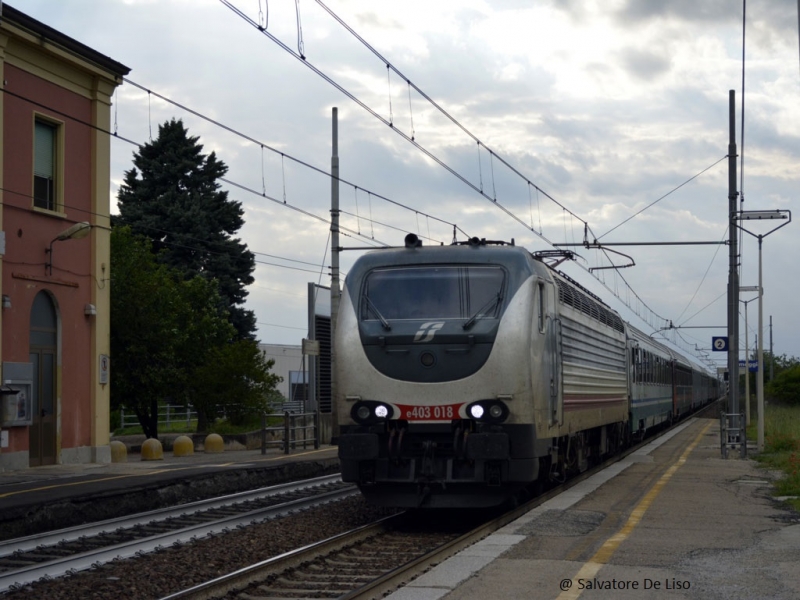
54, 245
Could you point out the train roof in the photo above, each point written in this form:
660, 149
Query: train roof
518, 260
515, 258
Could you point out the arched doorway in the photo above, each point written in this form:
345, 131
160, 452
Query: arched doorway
43, 349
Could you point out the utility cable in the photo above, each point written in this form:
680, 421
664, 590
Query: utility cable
710, 264
276, 151
405, 136
390, 124
433, 103
228, 181
654, 202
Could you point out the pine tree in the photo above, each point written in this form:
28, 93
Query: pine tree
172, 196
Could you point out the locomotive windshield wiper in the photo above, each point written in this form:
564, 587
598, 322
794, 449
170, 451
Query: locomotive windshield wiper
378, 314
482, 310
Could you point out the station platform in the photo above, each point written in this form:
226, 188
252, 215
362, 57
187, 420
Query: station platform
58, 496
673, 520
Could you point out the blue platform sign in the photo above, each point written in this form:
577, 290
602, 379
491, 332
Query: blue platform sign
719, 344
752, 365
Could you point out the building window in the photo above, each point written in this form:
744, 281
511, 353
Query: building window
45, 145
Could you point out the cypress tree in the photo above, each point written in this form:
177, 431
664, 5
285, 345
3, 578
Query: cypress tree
172, 197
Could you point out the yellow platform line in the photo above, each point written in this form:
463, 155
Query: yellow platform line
603, 555
143, 473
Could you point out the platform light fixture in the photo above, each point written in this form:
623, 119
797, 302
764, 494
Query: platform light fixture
75, 232
762, 215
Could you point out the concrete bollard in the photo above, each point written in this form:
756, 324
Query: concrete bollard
119, 452
183, 446
152, 450
214, 443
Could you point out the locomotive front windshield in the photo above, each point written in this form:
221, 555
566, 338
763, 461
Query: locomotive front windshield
433, 292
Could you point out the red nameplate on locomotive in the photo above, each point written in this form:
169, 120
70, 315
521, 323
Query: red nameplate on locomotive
446, 412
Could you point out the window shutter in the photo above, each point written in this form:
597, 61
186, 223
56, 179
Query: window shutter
44, 150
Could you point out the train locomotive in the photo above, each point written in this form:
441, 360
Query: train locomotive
468, 372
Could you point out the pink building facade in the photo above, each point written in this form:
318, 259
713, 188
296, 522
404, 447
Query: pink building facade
54, 251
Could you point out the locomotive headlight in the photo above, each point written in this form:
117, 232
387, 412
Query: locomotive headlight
495, 411
363, 412
488, 411
370, 412
476, 411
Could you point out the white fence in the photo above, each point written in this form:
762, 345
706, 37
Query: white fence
167, 415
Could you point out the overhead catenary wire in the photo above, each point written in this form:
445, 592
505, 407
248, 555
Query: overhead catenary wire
656, 201
276, 151
202, 244
710, 264
430, 100
405, 136
424, 150
395, 228
226, 180
479, 143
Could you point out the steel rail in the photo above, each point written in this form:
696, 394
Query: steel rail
381, 586
391, 581
282, 562
86, 560
32, 542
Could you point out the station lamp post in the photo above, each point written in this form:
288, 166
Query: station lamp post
762, 215
747, 288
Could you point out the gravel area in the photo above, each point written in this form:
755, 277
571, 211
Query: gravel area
170, 570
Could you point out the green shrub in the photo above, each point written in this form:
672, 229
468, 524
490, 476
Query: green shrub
115, 420
785, 388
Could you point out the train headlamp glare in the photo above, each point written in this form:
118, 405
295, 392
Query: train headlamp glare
476, 411
381, 411
363, 412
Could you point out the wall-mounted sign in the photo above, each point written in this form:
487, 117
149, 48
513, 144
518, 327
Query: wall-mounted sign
103, 368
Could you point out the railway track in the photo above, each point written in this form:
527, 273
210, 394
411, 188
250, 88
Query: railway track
371, 561
42, 556
331, 568
284, 555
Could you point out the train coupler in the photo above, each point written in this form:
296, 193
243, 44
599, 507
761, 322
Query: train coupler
493, 472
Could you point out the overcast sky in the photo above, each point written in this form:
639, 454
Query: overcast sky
605, 107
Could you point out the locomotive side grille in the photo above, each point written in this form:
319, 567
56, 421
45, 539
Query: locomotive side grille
575, 298
322, 327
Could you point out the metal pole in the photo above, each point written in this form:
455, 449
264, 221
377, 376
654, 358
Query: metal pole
771, 355
313, 361
286, 432
733, 272
263, 433
760, 374
335, 292
746, 367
